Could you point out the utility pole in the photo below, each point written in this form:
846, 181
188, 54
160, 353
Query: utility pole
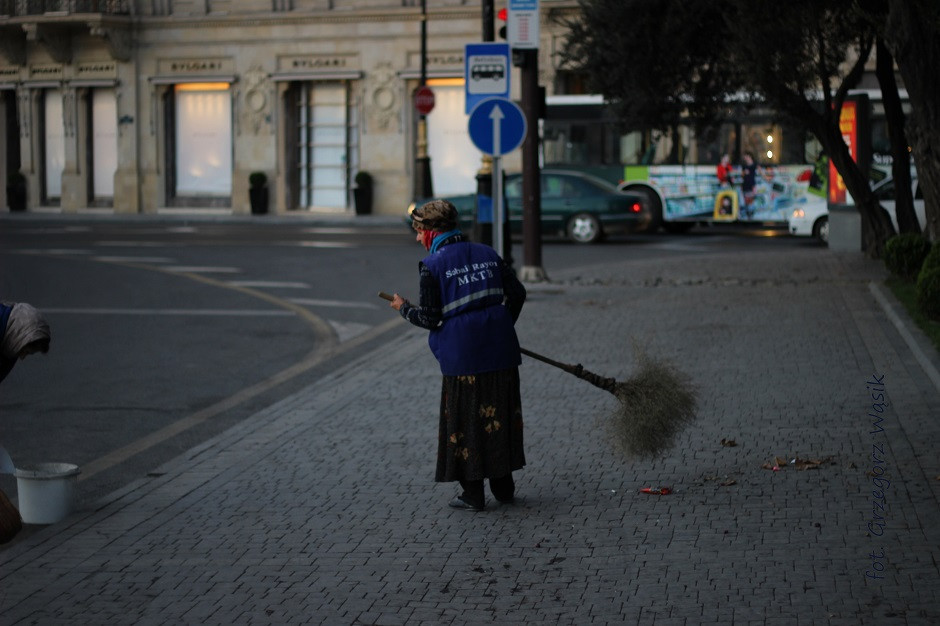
532, 271
422, 173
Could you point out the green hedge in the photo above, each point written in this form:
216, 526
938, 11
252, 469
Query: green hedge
928, 293
905, 254
932, 260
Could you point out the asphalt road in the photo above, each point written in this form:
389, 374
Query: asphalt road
166, 333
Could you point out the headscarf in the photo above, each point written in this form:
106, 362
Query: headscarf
24, 326
436, 215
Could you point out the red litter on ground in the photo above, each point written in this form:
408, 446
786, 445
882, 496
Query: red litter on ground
656, 491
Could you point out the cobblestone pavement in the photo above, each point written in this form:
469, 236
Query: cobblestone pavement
322, 509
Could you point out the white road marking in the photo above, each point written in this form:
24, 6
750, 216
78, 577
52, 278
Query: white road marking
64, 251
268, 284
192, 312
133, 259
133, 244
320, 244
197, 269
347, 330
53, 230
333, 303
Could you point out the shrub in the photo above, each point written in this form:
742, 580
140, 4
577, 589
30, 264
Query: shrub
905, 254
363, 179
932, 260
257, 180
928, 292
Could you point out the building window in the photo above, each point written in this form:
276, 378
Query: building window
103, 157
454, 159
199, 117
53, 133
326, 144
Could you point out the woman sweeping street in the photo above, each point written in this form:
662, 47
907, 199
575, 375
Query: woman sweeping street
469, 301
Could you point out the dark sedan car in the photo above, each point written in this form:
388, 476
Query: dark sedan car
577, 205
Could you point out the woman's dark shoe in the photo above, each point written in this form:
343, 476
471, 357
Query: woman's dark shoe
460, 503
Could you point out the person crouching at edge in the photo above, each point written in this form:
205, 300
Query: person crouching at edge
469, 301
23, 331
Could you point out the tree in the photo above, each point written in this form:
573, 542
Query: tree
901, 163
912, 34
801, 58
629, 50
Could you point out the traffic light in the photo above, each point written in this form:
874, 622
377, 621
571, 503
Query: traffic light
502, 16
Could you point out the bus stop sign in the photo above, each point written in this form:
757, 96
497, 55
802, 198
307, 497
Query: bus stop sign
486, 72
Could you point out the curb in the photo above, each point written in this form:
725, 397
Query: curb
912, 335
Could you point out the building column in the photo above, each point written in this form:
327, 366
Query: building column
127, 197
75, 175
283, 178
153, 177
4, 166
30, 149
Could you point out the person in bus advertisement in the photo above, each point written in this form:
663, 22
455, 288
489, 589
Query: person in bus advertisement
723, 171
749, 171
691, 192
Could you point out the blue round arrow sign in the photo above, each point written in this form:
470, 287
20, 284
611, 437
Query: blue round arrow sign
497, 126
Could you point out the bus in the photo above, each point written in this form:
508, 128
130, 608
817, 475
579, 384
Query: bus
677, 171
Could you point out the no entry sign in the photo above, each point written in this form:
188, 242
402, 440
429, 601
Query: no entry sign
424, 100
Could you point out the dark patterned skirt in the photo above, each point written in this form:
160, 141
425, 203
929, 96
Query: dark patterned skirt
481, 426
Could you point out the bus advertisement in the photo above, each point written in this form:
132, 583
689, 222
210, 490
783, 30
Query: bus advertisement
693, 193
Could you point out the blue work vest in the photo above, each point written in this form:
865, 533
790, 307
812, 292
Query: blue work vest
477, 334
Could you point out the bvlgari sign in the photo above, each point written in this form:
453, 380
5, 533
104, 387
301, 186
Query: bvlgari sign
45, 71
195, 67
309, 62
97, 69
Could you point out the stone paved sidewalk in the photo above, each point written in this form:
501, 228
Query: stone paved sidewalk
322, 509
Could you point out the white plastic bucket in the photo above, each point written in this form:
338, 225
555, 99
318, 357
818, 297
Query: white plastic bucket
45, 491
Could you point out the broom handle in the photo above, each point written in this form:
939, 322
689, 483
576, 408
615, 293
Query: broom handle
571, 369
607, 384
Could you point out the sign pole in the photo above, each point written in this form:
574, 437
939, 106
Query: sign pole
524, 39
498, 208
496, 116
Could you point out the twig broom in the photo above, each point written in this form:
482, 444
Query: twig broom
656, 403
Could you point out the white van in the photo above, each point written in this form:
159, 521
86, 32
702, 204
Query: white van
811, 219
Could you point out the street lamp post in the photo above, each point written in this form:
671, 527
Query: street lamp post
423, 187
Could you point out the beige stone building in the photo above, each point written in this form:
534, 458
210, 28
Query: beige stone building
149, 106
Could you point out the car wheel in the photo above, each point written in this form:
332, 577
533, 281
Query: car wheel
821, 229
584, 228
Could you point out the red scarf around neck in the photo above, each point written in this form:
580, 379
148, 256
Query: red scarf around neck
427, 238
